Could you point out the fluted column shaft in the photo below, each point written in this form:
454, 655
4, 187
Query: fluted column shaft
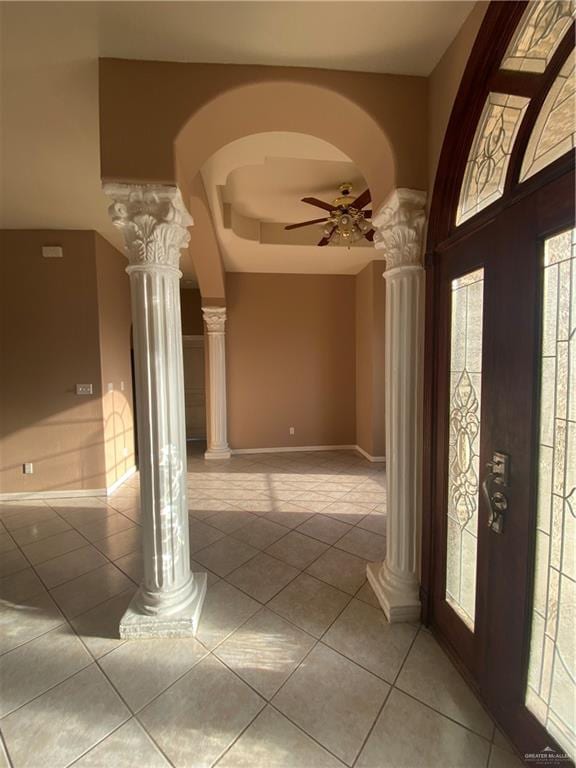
399, 229
154, 221
215, 319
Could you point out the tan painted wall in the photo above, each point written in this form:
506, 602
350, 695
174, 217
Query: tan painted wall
370, 380
291, 359
443, 86
114, 323
191, 304
50, 343
63, 322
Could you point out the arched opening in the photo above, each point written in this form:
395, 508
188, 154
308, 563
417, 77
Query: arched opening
498, 541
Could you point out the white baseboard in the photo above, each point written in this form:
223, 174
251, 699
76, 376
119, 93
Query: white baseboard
295, 449
368, 456
65, 494
121, 480
307, 448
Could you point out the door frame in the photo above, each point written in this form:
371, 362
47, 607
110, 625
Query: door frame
197, 341
481, 76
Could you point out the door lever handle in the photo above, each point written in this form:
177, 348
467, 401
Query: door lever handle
495, 498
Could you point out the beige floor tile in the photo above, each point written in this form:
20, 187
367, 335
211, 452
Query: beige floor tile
408, 734
230, 521
132, 566
128, 747
66, 721
200, 716
297, 549
69, 566
28, 517
265, 651
272, 741
363, 634
224, 610
502, 741
288, 514
340, 569
211, 578
333, 700
206, 508
20, 586
375, 522
368, 497
142, 669
33, 668
256, 506
22, 622
430, 676
324, 528
366, 594
99, 627
502, 758
225, 555
59, 544
365, 544
41, 530
310, 604
7, 543
122, 543
260, 533
202, 535
262, 577
105, 527
348, 511
12, 562
87, 591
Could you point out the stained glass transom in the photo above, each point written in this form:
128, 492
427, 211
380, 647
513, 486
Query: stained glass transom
555, 128
464, 443
489, 156
538, 35
551, 689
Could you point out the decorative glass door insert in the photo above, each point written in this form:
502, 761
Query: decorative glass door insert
464, 443
551, 687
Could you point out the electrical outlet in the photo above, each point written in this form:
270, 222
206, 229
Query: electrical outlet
28, 469
125, 451
121, 386
292, 430
83, 389
110, 386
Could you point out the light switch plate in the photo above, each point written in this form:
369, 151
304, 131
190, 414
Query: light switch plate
84, 389
52, 252
28, 468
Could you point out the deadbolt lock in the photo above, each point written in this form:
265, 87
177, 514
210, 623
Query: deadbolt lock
497, 478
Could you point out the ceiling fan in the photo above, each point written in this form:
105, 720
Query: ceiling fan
347, 222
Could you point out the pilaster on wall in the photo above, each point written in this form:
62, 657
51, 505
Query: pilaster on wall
215, 319
399, 229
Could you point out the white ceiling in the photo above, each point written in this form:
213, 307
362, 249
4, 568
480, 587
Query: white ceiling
406, 38
254, 187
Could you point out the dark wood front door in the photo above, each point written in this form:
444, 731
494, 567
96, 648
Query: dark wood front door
497, 427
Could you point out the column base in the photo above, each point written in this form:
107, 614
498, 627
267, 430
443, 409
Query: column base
136, 625
218, 453
399, 600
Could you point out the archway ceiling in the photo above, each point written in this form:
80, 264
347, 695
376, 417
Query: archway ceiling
405, 38
254, 187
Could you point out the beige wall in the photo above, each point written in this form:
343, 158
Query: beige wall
291, 359
63, 322
443, 86
370, 381
114, 324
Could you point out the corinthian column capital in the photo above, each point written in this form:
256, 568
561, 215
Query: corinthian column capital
399, 228
215, 318
154, 221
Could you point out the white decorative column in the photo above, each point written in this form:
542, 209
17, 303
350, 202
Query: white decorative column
153, 220
399, 227
215, 319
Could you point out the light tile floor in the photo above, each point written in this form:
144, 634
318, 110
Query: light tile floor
294, 665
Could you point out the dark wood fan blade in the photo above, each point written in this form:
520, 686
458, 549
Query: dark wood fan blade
326, 240
318, 203
362, 200
370, 235
367, 214
305, 223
